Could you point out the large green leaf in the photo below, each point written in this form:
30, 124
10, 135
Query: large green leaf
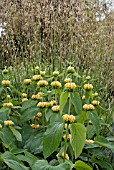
28, 157
82, 117
78, 137
28, 114
93, 116
7, 138
13, 162
4, 114
76, 101
104, 164
28, 104
63, 100
102, 141
16, 133
36, 146
43, 165
80, 165
52, 138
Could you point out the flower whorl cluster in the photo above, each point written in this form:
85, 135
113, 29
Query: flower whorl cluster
83, 97
68, 136
0, 126
63, 155
36, 68
95, 94
37, 96
42, 104
55, 73
51, 103
95, 102
56, 84
24, 100
5, 71
67, 80
7, 105
88, 107
56, 108
5, 82
24, 95
8, 123
88, 141
34, 126
42, 83
70, 86
37, 77
88, 86
70, 69
27, 81
68, 118
42, 73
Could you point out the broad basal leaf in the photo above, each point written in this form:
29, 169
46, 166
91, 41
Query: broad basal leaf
43, 165
16, 133
28, 104
93, 116
76, 101
78, 137
28, 114
80, 165
102, 141
52, 138
63, 100
13, 162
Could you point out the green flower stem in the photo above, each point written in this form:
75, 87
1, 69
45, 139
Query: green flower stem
65, 145
69, 104
43, 121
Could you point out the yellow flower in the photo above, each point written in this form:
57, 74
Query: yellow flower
24, 95
56, 73
88, 141
39, 114
0, 126
56, 108
42, 83
37, 96
67, 80
5, 71
69, 118
42, 73
88, 107
70, 86
24, 100
42, 104
68, 136
8, 123
7, 105
88, 78
6, 82
70, 69
88, 86
90, 122
56, 84
8, 97
34, 126
95, 94
95, 102
36, 68
63, 155
37, 77
83, 97
27, 81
